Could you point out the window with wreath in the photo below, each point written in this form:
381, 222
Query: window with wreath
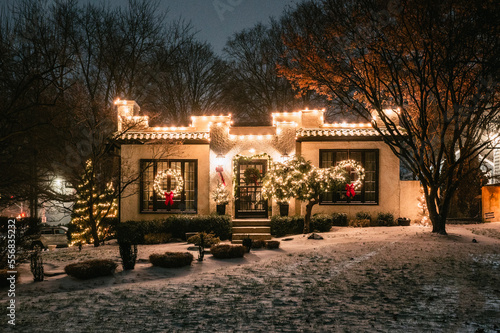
185, 196
368, 193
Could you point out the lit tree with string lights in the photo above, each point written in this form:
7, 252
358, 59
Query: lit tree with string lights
91, 209
299, 179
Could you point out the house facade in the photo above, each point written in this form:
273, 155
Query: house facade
194, 160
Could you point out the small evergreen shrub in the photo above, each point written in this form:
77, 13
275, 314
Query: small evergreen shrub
91, 268
386, 219
321, 223
225, 251
160, 238
208, 239
272, 244
258, 244
131, 232
293, 225
363, 223
403, 221
363, 216
286, 225
247, 243
339, 219
171, 259
177, 226
220, 225
128, 253
36, 266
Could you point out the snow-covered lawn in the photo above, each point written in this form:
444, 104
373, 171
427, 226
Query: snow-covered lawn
391, 279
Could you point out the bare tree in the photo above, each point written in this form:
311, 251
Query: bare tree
191, 81
256, 89
435, 65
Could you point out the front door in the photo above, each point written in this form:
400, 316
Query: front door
249, 202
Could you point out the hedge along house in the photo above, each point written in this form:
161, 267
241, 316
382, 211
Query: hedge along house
211, 149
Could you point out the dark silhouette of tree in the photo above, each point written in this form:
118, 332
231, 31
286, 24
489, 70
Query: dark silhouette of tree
62, 64
435, 65
255, 88
190, 81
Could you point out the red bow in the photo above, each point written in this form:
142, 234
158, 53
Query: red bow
350, 190
219, 170
169, 198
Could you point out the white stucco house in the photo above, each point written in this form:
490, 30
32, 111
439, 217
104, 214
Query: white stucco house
211, 146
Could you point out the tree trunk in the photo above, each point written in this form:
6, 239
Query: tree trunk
307, 218
439, 225
438, 219
95, 235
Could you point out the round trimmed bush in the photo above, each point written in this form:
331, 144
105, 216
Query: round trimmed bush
91, 268
226, 251
272, 244
171, 259
204, 239
258, 244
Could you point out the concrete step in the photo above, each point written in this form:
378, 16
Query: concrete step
237, 238
251, 222
251, 230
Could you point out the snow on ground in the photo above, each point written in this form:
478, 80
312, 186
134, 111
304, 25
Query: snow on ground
391, 279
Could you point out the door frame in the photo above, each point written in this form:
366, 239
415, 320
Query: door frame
261, 213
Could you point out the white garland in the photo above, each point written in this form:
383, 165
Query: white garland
165, 173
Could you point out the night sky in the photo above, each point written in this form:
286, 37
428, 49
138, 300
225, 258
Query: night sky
217, 20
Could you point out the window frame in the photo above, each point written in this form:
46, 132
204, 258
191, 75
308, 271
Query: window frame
363, 152
154, 165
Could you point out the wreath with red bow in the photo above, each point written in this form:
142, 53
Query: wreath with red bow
179, 182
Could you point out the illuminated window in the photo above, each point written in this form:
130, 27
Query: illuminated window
368, 193
185, 201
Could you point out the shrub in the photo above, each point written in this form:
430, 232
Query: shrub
130, 232
363, 216
403, 221
171, 259
27, 230
285, 225
321, 223
258, 244
339, 219
359, 223
128, 253
385, 219
36, 266
4, 275
272, 244
247, 243
91, 268
226, 251
177, 225
160, 238
204, 239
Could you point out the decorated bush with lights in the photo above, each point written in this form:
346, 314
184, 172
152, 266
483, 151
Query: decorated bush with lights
298, 178
92, 210
220, 195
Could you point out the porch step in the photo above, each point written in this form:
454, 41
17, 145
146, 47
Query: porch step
238, 238
251, 222
256, 229
251, 230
